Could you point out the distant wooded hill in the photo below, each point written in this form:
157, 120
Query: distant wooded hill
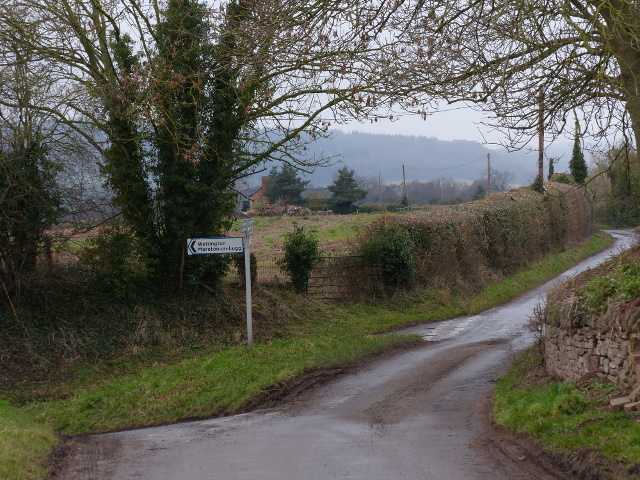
424, 158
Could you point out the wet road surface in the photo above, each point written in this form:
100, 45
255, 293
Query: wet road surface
419, 414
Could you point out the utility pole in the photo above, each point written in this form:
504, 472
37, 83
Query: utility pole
541, 138
379, 191
488, 174
404, 183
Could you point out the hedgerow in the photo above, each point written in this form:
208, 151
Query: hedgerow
473, 243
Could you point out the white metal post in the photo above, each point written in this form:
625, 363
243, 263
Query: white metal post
247, 270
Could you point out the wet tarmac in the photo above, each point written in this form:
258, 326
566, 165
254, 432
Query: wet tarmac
418, 414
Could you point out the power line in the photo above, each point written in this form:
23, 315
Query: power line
449, 168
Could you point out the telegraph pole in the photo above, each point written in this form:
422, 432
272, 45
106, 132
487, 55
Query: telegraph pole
541, 138
488, 174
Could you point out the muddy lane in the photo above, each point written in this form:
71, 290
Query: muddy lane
420, 414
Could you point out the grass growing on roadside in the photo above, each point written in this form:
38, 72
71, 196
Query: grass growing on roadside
536, 274
224, 381
562, 417
439, 304
24, 444
209, 385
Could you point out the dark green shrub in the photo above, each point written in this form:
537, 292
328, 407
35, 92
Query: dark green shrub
370, 208
622, 207
563, 178
30, 203
538, 185
396, 207
342, 208
239, 262
114, 258
301, 254
345, 191
389, 247
621, 212
577, 164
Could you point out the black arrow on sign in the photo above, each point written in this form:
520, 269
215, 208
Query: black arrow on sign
192, 247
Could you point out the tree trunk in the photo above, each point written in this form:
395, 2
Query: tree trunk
633, 108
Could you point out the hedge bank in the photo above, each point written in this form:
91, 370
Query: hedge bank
471, 244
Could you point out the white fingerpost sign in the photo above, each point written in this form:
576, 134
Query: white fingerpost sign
209, 246
247, 227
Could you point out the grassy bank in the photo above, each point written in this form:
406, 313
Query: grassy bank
569, 420
24, 445
147, 389
575, 420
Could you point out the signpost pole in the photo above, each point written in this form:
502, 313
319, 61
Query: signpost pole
226, 245
247, 227
247, 270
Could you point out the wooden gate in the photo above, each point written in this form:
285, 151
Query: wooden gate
345, 276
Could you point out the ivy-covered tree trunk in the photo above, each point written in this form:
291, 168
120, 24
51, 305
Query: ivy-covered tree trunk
201, 117
125, 169
29, 204
623, 206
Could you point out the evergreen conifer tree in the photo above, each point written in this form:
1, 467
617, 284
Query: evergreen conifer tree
577, 165
285, 185
345, 191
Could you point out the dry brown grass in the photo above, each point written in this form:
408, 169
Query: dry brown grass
336, 236
336, 233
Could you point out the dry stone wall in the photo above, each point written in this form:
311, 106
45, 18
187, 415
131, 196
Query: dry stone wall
610, 354
581, 341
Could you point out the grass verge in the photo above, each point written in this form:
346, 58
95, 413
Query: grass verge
536, 274
566, 418
209, 385
24, 444
439, 304
225, 379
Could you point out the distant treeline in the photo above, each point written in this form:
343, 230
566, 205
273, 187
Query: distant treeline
424, 158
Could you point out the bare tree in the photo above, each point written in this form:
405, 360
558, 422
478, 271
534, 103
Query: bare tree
305, 64
503, 56
446, 189
214, 90
315, 62
183, 99
501, 180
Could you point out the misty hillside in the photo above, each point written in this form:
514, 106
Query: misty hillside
424, 158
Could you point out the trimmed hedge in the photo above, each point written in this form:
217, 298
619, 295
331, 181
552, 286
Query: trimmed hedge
475, 242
